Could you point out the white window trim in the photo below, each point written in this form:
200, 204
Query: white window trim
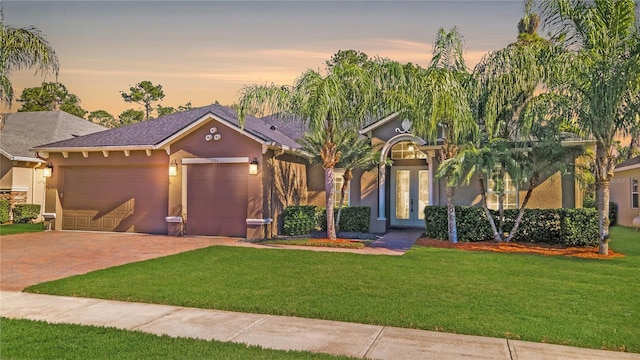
494, 205
636, 193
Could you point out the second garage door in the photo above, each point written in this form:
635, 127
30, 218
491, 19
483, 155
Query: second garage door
115, 199
217, 197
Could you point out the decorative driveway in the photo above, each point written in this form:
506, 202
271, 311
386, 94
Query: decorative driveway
32, 258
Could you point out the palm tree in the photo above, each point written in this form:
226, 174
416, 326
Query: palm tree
338, 101
436, 101
22, 48
602, 73
355, 152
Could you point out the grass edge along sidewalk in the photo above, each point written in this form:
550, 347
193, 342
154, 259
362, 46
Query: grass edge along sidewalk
27, 339
578, 302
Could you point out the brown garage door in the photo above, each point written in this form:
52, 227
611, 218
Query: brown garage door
131, 199
217, 199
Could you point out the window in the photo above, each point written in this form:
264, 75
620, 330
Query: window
510, 192
634, 193
406, 150
337, 187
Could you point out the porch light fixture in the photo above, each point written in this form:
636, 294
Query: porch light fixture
173, 168
48, 170
253, 166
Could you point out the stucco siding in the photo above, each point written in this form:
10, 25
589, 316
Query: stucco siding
620, 193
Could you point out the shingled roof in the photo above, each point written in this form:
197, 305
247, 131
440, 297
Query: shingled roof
25, 130
628, 163
154, 133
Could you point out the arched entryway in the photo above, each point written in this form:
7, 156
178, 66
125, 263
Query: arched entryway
410, 181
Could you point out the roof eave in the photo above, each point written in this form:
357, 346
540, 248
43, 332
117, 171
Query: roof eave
378, 123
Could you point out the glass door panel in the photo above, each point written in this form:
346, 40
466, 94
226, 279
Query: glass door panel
409, 196
423, 192
403, 195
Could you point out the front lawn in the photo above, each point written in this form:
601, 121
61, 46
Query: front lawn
9, 229
25, 339
581, 302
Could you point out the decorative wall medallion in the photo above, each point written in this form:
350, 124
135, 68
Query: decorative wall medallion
213, 136
406, 126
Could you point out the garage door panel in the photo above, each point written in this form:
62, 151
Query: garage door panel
217, 199
102, 198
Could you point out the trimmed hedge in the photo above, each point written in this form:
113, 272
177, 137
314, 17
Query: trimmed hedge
299, 220
352, 219
575, 227
5, 208
24, 213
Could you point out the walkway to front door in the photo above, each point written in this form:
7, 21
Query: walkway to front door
398, 240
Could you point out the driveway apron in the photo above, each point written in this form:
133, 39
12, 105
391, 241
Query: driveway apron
32, 258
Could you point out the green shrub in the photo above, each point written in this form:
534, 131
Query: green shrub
299, 220
537, 225
352, 219
5, 208
576, 227
589, 202
24, 213
579, 227
472, 223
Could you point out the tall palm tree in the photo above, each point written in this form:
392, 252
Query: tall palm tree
602, 73
338, 101
436, 101
22, 48
355, 152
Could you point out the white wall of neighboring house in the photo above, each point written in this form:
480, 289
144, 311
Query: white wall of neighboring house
23, 178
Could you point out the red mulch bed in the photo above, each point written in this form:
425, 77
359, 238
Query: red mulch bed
542, 249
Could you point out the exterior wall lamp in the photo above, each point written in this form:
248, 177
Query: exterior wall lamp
48, 170
173, 168
253, 166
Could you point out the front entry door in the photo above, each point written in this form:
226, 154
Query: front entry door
409, 195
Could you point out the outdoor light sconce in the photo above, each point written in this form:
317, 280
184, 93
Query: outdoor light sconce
173, 168
253, 166
48, 170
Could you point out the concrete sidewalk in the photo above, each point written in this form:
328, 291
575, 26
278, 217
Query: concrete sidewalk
285, 333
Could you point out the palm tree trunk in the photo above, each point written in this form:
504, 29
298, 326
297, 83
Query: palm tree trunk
602, 196
532, 184
483, 193
451, 214
345, 185
328, 187
604, 171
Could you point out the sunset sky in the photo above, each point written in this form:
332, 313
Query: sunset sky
205, 51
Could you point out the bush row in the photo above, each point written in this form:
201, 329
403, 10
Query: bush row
353, 218
22, 213
575, 227
303, 219
5, 209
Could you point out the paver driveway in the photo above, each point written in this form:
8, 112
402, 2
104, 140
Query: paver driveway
28, 259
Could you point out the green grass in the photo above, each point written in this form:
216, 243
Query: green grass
20, 228
25, 339
580, 302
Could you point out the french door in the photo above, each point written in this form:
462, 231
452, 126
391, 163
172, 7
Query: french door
409, 196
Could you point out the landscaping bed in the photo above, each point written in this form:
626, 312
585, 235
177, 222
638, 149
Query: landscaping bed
590, 252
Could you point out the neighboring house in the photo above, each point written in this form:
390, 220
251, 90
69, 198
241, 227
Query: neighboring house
625, 190
200, 167
21, 171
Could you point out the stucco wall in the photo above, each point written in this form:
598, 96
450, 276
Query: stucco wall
620, 193
6, 172
230, 144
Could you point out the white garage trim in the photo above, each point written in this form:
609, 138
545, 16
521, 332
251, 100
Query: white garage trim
224, 160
